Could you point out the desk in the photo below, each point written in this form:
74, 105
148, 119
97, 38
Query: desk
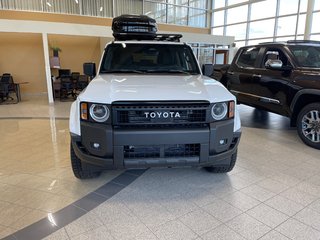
17, 89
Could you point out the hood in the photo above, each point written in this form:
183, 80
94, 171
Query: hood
107, 88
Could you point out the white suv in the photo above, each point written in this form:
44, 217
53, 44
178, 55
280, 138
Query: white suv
150, 106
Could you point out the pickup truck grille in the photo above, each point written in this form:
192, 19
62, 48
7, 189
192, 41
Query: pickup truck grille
159, 113
163, 151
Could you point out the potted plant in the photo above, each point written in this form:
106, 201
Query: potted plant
55, 50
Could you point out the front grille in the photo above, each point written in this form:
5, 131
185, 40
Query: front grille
162, 151
160, 113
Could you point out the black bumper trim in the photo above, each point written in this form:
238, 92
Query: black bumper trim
118, 161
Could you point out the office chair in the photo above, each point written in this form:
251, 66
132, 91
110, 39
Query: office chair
6, 87
66, 87
82, 82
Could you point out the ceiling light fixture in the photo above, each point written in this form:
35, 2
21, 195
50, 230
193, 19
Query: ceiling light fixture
77, 2
101, 8
49, 4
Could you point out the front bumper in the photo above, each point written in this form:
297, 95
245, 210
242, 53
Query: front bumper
110, 154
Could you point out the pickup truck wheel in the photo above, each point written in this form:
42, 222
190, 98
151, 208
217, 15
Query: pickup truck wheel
308, 125
80, 171
223, 168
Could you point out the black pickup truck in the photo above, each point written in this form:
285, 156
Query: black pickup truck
280, 77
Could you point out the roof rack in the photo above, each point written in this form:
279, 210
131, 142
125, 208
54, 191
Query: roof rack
139, 27
168, 37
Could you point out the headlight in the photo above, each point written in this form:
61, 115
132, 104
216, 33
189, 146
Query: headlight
219, 111
99, 112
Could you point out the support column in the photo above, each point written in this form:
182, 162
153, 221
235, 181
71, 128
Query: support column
307, 30
47, 66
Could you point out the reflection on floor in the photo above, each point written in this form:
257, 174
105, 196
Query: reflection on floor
273, 192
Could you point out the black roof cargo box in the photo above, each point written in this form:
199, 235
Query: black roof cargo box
126, 27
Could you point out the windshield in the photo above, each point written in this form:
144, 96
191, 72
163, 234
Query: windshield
149, 58
306, 56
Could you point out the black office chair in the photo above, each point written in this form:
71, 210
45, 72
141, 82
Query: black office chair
6, 87
82, 82
66, 87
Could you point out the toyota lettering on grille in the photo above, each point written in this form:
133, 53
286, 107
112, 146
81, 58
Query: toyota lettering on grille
162, 115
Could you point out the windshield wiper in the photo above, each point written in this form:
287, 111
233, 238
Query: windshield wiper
168, 71
122, 71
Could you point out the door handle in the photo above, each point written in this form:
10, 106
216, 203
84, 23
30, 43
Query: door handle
231, 73
256, 76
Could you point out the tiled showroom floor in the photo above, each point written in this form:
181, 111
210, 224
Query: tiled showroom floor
273, 192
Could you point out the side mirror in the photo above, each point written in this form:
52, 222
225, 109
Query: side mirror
89, 69
274, 64
207, 69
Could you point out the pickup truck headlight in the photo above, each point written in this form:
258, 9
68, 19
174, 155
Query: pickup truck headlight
222, 110
99, 112
94, 112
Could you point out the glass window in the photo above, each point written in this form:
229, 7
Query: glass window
206, 54
128, 6
179, 2
177, 15
315, 20
197, 18
69, 7
219, 4
287, 26
95, 8
301, 23
288, 7
303, 5
316, 5
237, 14
238, 31
218, 18
31, 5
263, 9
156, 11
315, 37
255, 42
261, 29
152, 58
306, 56
248, 57
217, 31
232, 2
284, 39
198, 4
239, 44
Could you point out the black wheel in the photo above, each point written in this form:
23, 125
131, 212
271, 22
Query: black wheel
223, 168
308, 125
79, 170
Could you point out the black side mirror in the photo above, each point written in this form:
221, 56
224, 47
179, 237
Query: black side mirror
207, 69
89, 69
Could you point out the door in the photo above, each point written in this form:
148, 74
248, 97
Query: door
242, 76
272, 86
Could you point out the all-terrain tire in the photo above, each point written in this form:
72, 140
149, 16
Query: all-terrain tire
80, 171
309, 133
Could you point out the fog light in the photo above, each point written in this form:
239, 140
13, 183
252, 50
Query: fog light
96, 145
223, 141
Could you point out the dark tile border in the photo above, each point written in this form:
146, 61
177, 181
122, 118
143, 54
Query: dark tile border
70, 213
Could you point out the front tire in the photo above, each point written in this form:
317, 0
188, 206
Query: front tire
308, 125
223, 168
80, 170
